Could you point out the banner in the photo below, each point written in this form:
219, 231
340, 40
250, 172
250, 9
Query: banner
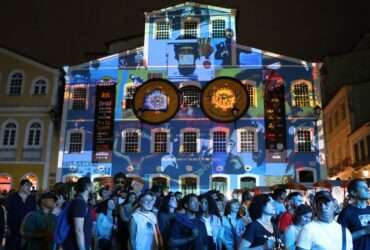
104, 122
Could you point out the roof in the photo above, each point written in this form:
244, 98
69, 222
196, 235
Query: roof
28, 59
192, 4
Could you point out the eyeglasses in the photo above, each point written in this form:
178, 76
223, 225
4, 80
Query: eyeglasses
120, 182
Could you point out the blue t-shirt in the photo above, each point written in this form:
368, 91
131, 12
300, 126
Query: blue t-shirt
354, 219
256, 234
78, 209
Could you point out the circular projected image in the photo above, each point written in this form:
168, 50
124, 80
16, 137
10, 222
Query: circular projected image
156, 101
224, 99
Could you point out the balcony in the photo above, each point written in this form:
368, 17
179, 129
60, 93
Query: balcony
7, 154
31, 154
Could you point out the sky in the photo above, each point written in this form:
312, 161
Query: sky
63, 32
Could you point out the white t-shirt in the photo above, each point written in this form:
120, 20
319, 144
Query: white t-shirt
145, 222
318, 235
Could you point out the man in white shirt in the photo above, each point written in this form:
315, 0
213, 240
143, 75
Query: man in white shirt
323, 233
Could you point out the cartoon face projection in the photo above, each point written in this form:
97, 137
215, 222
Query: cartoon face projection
186, 54
224, 99
156, 101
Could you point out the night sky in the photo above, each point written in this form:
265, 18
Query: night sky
62, 32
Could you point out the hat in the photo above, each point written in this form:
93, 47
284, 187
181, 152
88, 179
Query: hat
48, 195
323, 196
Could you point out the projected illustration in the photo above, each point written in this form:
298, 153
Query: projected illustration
193, 109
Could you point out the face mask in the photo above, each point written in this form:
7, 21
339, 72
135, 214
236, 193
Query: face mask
120, 200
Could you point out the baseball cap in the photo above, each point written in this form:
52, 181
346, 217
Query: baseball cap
323, 196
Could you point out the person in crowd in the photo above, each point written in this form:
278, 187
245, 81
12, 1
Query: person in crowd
18, 205
294, 200
260, 234
144, 231
158, 193
279, 195
188, 231
125, 211
324, 232
213, 194
232, 226
243, 211
302, 216
61, 191
105, 226
105, 194
166, 215
178, 196
356, 216
220, 206
80, 218
210, 216
3, 226
37, 229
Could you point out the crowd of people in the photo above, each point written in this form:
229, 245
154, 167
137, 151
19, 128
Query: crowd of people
125, 218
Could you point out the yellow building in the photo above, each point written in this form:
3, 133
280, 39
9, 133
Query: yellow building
28, 120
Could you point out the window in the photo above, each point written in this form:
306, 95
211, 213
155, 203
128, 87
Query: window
15, 84
219, 139
362, 150
219, 184
247, 182
39, 87
190, 29
34, 134
303, 140
189, 141
218, 28
190, 96
131, 141
160, 142
302, 94
306, 176
9, 134
356, 152
152, 75
188, 185
251, 90
129, 96
75, 142
160, 181
247, 140
162, 30
344, 114
79, 98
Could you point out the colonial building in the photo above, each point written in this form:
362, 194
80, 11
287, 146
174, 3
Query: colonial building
346, 89
191, 109
28, 101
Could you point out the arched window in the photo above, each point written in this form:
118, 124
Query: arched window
163, 30
34, 134
190, 28
306, 175
15, 84
131, 141
247, 182
79, 98
39, 87
189, 140
219, 138
190, 96
75, 141
302, 94
160, 181
247, 140
160, 140
219, 184
218, 28
9, 135
189, 185
303, 140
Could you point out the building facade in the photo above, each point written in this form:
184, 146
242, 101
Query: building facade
28, 138
226, 116
346, 89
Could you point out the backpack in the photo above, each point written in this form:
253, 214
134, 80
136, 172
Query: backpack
62, 227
